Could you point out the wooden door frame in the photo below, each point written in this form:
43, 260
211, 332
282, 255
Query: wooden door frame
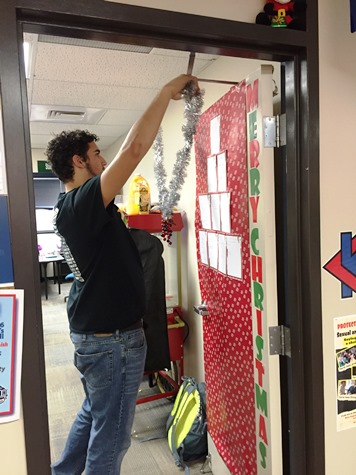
99, 20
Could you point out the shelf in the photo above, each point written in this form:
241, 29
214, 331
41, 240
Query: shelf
153, 222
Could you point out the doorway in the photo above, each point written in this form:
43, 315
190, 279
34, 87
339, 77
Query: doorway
232, 39
57, 63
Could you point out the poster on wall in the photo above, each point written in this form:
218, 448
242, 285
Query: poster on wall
345, 360
3, 187
11, 328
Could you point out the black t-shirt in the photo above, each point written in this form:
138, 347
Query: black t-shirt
108, 289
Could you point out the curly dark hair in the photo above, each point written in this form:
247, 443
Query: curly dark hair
62, 147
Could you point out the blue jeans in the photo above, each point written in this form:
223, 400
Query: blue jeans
111, 370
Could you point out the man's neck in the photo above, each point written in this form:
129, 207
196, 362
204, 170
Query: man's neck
76, 182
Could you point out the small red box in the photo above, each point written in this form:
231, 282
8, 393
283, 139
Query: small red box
152, 222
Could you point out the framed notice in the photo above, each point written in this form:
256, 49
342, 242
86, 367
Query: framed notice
11, 326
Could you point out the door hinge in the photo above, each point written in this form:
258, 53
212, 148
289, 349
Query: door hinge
274, 131
279, 341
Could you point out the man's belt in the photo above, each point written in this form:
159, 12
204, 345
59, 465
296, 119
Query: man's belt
134, 326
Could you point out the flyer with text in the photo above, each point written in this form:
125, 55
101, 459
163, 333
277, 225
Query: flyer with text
11, 327
345, 360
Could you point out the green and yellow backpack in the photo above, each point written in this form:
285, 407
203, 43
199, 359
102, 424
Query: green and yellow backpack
186, 425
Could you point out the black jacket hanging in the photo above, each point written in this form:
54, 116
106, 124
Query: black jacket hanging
155, 320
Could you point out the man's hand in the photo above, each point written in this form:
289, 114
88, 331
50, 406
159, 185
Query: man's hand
141, 137
177, 85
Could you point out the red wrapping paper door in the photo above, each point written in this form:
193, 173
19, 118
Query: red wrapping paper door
227, 330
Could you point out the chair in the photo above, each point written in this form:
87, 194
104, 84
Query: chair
68, 278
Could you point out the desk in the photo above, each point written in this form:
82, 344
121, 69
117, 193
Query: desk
56, 260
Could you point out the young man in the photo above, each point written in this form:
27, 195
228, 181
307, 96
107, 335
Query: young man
106, 303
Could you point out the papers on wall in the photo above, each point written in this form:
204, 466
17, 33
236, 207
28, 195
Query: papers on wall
219, 249
215, 135
203, 246
215, 212
234, 261
212, 177
11, 331
222, 252
225, 212
213, 250
205, 213
222, 172
217, 172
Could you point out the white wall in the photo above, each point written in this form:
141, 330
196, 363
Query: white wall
338, 196
13, 452
227, 69
38, 154
238, 10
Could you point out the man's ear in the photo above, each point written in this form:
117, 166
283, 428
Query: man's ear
78, 161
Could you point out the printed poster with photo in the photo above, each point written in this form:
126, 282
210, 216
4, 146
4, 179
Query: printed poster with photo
345, 356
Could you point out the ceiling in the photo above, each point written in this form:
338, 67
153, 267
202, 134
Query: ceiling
102, 87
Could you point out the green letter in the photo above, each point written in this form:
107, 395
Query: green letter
261, 400
254, 181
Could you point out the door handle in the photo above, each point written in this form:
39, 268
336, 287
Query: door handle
201, 309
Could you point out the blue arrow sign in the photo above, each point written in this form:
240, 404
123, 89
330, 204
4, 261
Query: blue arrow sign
348, 261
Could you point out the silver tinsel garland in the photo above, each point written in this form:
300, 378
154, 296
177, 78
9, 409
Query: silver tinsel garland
168, 198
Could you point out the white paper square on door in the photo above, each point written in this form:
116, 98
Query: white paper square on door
212, 174
215, 211
225, 212
215, 135
203, 246
222, 253
222, 171
205, 212
234, 258
213, 250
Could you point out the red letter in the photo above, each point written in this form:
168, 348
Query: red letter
252, 96
254, 204
259, 321
262, 429
260, 370
256, 270
254, 148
